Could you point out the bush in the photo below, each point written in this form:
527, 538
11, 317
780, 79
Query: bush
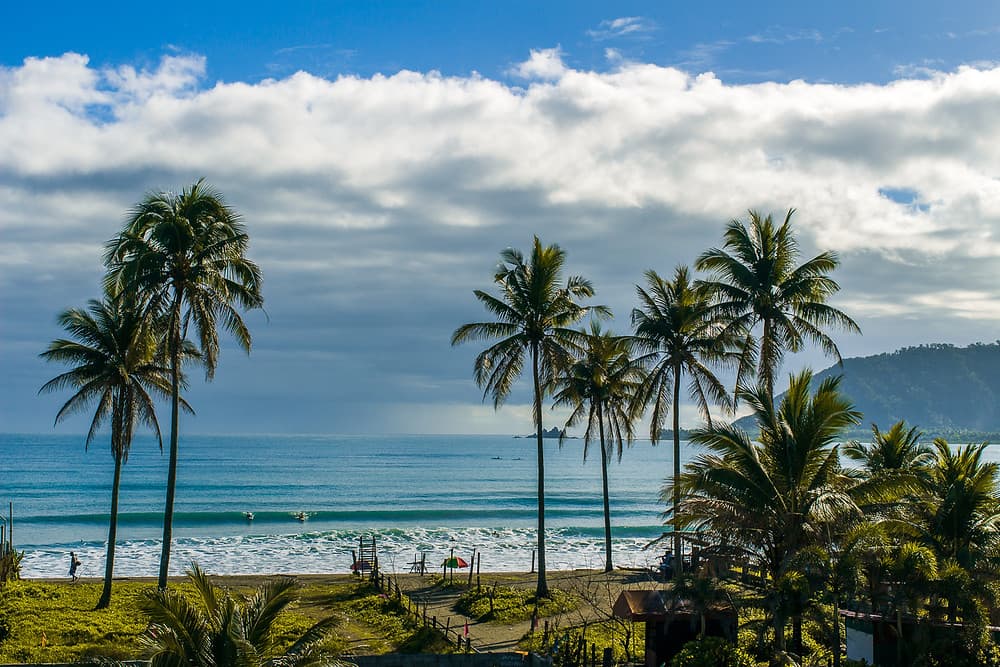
711, 652
503, 604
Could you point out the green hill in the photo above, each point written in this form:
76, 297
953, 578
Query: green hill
942, 389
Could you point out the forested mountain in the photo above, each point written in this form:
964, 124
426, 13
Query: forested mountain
940, 388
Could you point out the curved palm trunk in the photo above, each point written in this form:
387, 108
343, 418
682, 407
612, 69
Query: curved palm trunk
542, 588
109, 566
678, 562
175, 376
608, 566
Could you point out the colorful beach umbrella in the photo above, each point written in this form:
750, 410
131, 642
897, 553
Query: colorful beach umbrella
455, 561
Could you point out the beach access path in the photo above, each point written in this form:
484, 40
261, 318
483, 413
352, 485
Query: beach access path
597, 591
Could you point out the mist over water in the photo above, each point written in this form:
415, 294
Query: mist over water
415, 494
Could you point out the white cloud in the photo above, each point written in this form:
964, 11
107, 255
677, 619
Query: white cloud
542, 64
377, 204
621, 27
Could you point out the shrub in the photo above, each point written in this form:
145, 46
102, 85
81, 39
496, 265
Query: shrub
711, 652
503, 604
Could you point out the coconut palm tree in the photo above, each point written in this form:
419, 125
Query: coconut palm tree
224, 631
112, 350
185, 255
894, 450
678, 333
757, 283
534, 313
771, 497
956, 514
600, 387
890, 467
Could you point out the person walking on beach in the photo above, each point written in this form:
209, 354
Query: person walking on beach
74, 563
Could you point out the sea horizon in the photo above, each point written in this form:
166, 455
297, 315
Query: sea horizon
415, 494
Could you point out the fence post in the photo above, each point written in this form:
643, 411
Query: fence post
532, 561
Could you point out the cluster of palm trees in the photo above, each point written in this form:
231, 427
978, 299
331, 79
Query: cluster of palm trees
177, 270
754, 305
906, 530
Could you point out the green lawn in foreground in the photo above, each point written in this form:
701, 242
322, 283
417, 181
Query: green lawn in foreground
56, 622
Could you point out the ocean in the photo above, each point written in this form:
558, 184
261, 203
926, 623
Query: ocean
415, 495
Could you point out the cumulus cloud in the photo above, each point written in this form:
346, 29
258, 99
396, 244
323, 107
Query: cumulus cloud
543, 64
377, 204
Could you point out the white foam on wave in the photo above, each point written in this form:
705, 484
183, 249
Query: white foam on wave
503, 550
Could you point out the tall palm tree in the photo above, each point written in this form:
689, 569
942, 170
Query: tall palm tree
757, 283
185, 254
678, 333
226, 631
771, 497
600, 387
534, 312
112, 350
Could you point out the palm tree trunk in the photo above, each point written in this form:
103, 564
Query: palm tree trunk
766, 370
175, 393
836, 629
542, 588
607, 503
109, 566
797, 635
678, 556
899, 636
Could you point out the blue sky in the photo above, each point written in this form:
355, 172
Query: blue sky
249, 41
383, 154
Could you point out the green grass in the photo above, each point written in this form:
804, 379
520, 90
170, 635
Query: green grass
56, 622
510, 604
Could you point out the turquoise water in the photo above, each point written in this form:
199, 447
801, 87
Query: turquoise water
413, 493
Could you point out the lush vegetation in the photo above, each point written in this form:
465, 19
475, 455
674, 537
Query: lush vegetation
711, 652
57, 622
506, 604
907, 531
222, 629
